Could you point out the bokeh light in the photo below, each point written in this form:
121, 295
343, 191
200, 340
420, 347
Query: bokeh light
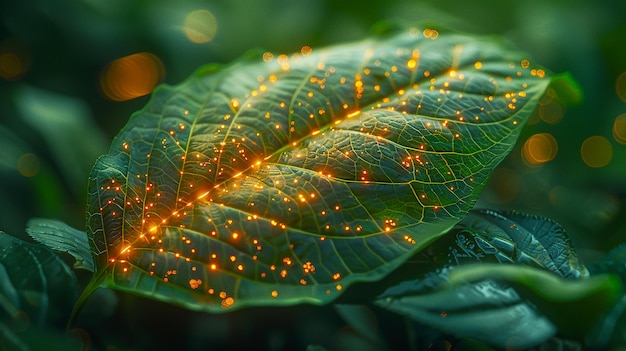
539, 148
10, 65
28, 165
620, 86
551, 113
619, 129
306, 50
131, 76
596, 151
200, 26
14, 60
506, 184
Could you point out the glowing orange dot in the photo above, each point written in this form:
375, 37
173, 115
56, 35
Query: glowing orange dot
411, 63
430, 33
227, 302
525, 63
306, 50
274, 293
268, 56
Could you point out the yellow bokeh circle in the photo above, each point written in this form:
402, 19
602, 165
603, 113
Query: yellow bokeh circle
540, 148
619, 129
596, 151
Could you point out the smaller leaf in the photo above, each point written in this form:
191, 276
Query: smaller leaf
611, 328
35, 283
514, 237
545, 285
486, 311
574, 306
61, 237
504, 279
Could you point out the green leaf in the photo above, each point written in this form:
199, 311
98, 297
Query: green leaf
37, 291
61, 237
573, 305
516, 237
611, 328
506, 279
486, 311
282, 182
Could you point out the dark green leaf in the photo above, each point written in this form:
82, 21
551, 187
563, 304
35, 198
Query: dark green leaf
516, 237
522, 303
487, 311
37, 292
286, 181
10, 341
61, 237
39, 283
611, 328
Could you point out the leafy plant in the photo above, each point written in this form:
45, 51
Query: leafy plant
290, 179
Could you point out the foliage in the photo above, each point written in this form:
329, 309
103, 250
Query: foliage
282, 182
171, 217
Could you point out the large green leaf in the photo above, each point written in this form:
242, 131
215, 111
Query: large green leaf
285, 181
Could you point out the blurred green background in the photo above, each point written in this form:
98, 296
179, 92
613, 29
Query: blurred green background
72, 72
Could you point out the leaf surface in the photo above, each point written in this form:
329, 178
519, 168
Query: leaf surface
61, 237
284, 180
35, 281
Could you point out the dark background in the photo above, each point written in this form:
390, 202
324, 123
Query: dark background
61, 104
